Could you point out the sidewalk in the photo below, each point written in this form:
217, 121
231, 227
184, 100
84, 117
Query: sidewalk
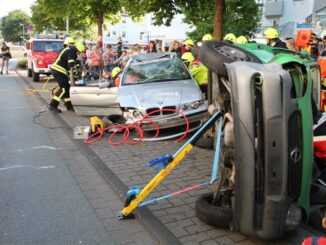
126, 165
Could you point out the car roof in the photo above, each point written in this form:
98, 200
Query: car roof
152, 56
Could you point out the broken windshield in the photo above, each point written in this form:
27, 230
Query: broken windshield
158, 70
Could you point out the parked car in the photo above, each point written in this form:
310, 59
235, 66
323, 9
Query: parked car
266, 150
148, 83
18, 51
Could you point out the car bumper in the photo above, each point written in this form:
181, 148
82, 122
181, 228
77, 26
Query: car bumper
42, 70
175, 121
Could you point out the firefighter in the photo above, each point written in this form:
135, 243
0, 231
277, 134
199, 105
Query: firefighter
207, 37
60, 70
115, 75
68, 41
188, 45
272, 38
230, 38
197, 69
242, 40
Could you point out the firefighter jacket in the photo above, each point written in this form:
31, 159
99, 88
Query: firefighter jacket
66, 60
199, 71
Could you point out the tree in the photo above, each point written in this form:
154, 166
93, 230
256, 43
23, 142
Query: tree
12, 25
90, 11
199, 14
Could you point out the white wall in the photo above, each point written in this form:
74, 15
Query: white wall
293, 11
177, 30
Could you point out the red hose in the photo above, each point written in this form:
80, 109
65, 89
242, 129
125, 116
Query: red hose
137, 126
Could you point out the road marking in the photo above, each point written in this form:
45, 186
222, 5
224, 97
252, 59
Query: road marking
26, 166
40, 147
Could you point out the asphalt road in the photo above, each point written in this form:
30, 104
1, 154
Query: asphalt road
40, 201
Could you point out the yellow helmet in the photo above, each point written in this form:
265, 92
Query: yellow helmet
271, 33
242, 39
115, 71
69, 41
80, 47
189, 42
188, 57
231, 37
207, 37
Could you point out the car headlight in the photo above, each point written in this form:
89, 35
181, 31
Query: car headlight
194, 105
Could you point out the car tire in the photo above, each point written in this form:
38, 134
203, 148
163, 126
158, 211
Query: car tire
36, 76
29, 73
212, 214
214, 54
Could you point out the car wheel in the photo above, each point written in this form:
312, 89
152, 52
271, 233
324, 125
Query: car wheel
36, 76
29, 73
212, 214
214, 54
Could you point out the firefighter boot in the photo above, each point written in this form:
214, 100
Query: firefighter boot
53, 106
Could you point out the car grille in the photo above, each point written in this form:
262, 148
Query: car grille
295, 151
149, 110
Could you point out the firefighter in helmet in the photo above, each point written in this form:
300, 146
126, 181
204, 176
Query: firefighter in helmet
60, 69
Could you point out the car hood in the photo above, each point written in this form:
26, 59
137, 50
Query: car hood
159, 94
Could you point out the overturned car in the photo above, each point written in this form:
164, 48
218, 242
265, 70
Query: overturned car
149, 83
266, 158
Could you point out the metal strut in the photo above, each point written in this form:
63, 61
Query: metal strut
168, 163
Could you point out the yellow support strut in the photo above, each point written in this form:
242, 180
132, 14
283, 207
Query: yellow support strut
156, 180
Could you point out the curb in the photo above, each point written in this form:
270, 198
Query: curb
144, 215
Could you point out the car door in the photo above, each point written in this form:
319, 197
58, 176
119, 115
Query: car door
91, 101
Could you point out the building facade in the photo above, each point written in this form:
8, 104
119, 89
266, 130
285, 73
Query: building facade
131, 32
289, 16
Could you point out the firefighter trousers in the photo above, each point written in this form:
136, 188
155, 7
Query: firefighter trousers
63, 92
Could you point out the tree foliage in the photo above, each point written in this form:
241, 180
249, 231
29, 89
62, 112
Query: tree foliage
240, 16
12, 25
81, 13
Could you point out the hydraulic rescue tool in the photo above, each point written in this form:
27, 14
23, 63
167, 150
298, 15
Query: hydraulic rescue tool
166, 163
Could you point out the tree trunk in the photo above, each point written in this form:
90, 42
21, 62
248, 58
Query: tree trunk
100, 21
218, 19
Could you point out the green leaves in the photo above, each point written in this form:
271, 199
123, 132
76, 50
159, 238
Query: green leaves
12, 26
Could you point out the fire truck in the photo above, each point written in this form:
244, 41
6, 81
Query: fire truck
42, 52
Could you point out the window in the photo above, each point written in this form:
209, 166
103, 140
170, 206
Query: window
123, 34
114, 33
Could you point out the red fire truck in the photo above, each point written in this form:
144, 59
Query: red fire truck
42, 52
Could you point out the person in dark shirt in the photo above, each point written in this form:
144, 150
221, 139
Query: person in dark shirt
5, 53
119, 49
272, 38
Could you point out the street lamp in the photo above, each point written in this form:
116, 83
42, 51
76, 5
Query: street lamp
23, 25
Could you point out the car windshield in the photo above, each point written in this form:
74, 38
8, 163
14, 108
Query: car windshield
158, 70
47, 46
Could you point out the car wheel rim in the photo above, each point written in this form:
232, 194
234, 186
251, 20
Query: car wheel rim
232, 53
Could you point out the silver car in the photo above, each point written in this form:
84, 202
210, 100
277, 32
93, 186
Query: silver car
149, 82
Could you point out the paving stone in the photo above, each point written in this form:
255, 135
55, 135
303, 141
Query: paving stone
105, 213
121, 236
224, 240
91, 194
98, 203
